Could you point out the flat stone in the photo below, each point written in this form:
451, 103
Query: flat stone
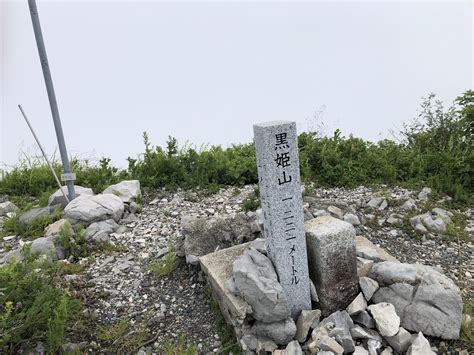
304, 322
127, 191
57, 198
364, 266
400, 341
331, 254
368, 287
218, 268
323, 342
282, 204
358, 305
386, 319
100, 231
420, 346
409, 204
367, 250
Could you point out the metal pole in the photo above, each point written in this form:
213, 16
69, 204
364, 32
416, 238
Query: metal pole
44, 154
67, 176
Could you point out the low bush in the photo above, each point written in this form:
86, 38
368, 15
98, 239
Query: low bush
165, 266
33, 306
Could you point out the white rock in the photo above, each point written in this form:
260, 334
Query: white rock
88, 209
420, 346
335, 212
57, 198
359, 350
423, 195
128, 190
7, 207
386, 319
304, 322
358, 305
352, 219
400, 341
409, 204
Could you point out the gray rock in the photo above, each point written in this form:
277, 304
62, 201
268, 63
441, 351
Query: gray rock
7, 207
57, 198
12, 255
359, 350
420, 229
312, 291
304, 322
100, 231
424, 193
204, 236
322, 342
420, 346
425, 299
364, 319
387, 351
257, 283
339, 325
335, 212
386, 319
443, 214
400, 341
54, 229
332, 262
128, 190
359, 332
46, 247
281, 332
363, 266
378, 203
409, 204
368, 287
321, 213
374, 346
437, 225
293, 348
358, 305
307, 214
88, 209
352, 219
368, 250
27, 217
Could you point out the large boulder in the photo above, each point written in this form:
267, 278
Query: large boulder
128, 190
424, 299
89, 209
206, 235
256, 281
57, 198
7, 207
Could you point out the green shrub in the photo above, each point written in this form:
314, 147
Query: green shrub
32, 306
33, 229
165, 266
251, 203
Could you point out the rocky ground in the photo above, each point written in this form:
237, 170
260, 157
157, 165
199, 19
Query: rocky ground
118, 285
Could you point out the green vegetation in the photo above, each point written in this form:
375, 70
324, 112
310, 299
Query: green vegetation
435, 150
33, 229
467, 327
165, 266
33, 306
252, 202
119, 339
180, 347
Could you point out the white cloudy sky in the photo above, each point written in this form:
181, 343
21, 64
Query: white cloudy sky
206, 71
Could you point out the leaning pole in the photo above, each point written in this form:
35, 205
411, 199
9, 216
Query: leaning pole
68, 176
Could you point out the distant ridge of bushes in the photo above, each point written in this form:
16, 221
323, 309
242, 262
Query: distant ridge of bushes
436, 150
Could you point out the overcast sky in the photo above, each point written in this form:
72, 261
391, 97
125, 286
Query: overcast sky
205, 72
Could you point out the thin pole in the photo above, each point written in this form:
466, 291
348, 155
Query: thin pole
44, 154
52, 98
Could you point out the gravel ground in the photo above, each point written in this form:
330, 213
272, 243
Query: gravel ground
119, 285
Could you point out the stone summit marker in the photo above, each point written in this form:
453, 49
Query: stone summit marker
282, 205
